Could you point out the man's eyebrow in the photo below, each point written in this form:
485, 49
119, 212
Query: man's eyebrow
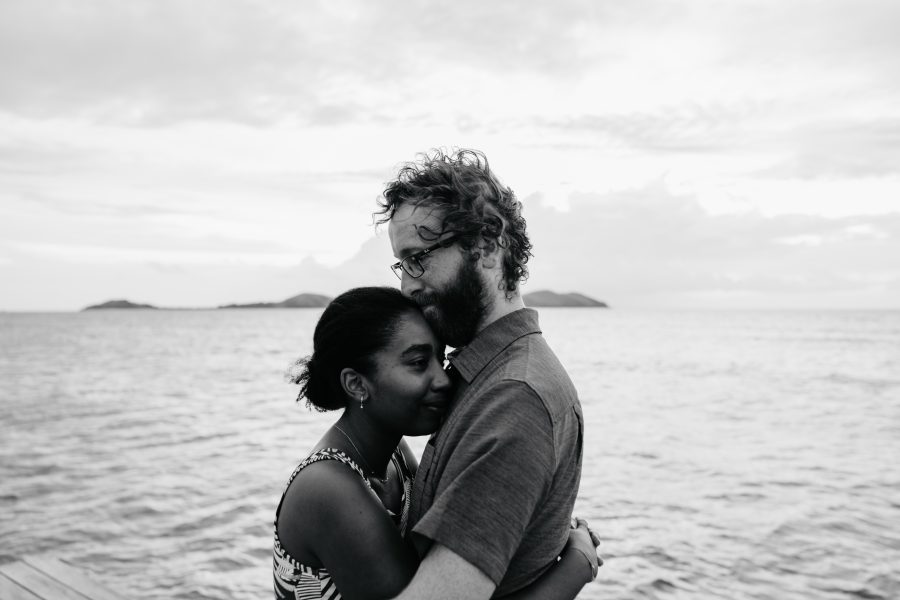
425, 243
426, 348
404, 252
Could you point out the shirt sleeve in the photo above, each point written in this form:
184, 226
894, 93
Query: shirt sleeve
499, 469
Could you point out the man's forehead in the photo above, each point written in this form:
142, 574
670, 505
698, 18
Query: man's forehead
405, 225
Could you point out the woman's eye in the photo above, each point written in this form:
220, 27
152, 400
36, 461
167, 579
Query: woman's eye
419, 363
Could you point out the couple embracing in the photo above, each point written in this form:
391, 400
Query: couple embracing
487, 511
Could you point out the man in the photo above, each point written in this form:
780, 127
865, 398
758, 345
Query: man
494, 492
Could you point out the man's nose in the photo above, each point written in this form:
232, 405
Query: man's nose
409, 285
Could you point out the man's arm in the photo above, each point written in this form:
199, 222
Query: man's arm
445, 575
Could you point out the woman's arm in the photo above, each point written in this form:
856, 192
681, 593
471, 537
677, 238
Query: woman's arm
331, 519
576, 567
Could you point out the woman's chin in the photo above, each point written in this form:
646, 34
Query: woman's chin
429, 421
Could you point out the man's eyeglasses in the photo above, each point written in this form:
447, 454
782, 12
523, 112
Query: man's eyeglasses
412, 266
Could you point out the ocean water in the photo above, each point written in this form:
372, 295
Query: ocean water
728, 454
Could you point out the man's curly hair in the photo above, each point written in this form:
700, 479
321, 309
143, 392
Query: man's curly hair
481, 211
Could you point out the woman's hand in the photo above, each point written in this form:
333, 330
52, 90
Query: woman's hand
584, 541
565, 579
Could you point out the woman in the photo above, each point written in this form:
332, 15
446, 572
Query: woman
340, 523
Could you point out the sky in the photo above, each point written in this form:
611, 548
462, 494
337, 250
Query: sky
668, 154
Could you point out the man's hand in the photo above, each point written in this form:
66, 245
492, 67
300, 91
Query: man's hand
585, 542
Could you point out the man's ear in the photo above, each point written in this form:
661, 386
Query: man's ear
490, 260
354, 384
490, 254
490, 245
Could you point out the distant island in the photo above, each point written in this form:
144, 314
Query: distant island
542, 298
298, 301
118, 304
548, 299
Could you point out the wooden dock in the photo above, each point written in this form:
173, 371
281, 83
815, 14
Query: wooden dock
43, 577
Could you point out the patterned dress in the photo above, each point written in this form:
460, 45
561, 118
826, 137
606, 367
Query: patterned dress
296, 581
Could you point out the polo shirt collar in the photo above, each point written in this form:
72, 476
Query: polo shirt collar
492, 340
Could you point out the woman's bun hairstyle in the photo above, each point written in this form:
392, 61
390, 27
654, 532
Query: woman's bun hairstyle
352, 329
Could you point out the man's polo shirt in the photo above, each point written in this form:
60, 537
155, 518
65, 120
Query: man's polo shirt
497, 483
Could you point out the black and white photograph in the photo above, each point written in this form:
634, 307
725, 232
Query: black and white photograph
433, 301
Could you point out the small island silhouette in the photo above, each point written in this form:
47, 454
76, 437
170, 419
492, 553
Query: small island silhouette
539, 299
548, 299
118, 304
298, 301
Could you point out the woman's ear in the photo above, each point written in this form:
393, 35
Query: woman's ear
354, 385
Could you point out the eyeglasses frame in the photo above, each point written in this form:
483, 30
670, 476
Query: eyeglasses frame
399, 267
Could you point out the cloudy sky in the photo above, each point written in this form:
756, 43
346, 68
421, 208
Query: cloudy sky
681, 153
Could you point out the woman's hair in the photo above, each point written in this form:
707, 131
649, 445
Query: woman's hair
353, 327
474, 204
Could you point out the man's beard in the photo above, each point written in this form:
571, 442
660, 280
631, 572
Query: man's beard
456, 312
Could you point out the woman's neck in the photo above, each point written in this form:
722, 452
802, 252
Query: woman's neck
373, 445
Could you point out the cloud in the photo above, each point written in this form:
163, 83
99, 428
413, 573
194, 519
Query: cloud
852, 40
207, 250
160, 62
689, 128
66, 277
840, 149
157, 129
644, 248
652, 247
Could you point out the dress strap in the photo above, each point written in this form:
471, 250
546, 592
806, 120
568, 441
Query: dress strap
406, 479
331, 454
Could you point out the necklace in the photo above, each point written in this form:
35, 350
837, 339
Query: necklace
372, 474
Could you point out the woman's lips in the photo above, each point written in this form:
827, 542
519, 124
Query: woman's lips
436, 405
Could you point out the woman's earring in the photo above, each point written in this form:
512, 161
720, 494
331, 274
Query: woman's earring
362, 398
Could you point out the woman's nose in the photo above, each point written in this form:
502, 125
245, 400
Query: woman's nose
441, 381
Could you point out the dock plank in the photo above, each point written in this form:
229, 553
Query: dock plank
52, 584
10, 590
38, 583
72, 577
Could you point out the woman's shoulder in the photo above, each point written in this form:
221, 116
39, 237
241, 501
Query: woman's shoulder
332, 518
319, 495
325, 472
